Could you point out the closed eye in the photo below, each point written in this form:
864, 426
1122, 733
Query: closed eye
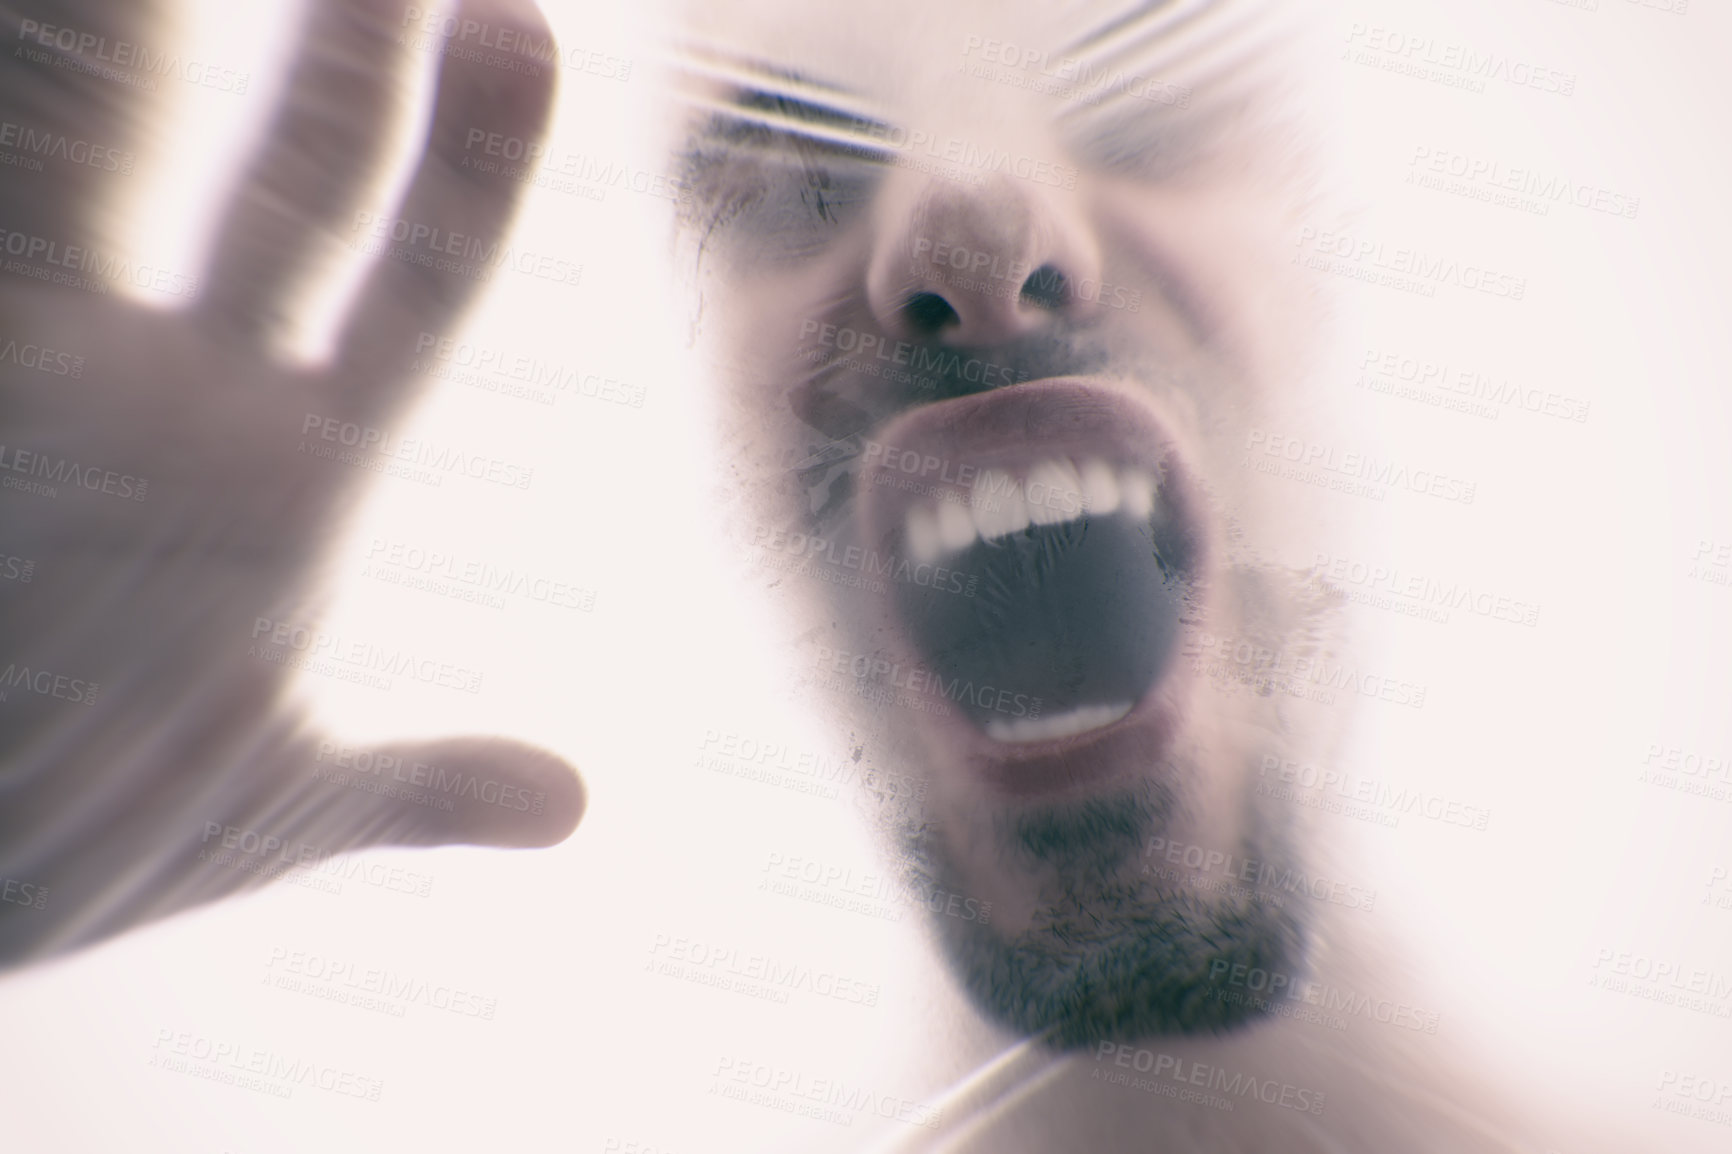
778, 161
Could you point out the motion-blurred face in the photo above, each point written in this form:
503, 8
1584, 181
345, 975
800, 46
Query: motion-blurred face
995, 297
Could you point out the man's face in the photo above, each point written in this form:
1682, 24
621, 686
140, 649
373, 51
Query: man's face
995, 300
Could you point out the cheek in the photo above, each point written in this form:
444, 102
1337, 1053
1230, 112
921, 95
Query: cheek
1217, 258
1245, 335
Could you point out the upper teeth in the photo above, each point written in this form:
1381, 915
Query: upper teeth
1052, 492
999, 506
955, 526
1138, 489
1100, 486
1055, 477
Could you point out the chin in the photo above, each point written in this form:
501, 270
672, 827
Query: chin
1038, 575
1010, 528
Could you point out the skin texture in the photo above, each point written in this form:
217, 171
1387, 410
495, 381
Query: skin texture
1088, 950
1198, 321
109, 798
106, 808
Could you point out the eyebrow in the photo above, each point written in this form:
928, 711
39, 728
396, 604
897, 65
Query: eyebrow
1195, 44
786, 102
1139, 13
1208, 47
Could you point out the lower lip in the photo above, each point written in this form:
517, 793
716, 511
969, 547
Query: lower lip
1129, 747
1078, 417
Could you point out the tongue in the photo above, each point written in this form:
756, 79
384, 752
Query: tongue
1079, 616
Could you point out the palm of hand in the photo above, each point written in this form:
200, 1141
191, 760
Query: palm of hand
184, 512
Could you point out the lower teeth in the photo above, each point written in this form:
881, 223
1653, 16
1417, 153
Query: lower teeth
1079, 720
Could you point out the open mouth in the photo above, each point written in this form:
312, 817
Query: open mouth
1062, 511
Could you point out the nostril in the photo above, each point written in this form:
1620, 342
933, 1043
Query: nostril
929, 312
1046, 287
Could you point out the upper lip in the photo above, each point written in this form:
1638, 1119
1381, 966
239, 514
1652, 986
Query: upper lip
951, 442
955, 440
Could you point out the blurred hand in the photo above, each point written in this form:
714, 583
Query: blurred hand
149, 759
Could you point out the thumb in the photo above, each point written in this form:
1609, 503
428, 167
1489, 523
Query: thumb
460, 791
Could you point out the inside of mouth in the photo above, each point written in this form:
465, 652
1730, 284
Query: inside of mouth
1070, 621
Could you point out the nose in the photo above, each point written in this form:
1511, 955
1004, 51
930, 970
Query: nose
977, 264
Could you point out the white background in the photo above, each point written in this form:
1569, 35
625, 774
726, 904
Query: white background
1596, 522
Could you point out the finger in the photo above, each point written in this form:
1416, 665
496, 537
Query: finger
316, 162
75, 87
160, 843
453, 211
459, 791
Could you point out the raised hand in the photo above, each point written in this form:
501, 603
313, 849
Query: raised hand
156, 505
